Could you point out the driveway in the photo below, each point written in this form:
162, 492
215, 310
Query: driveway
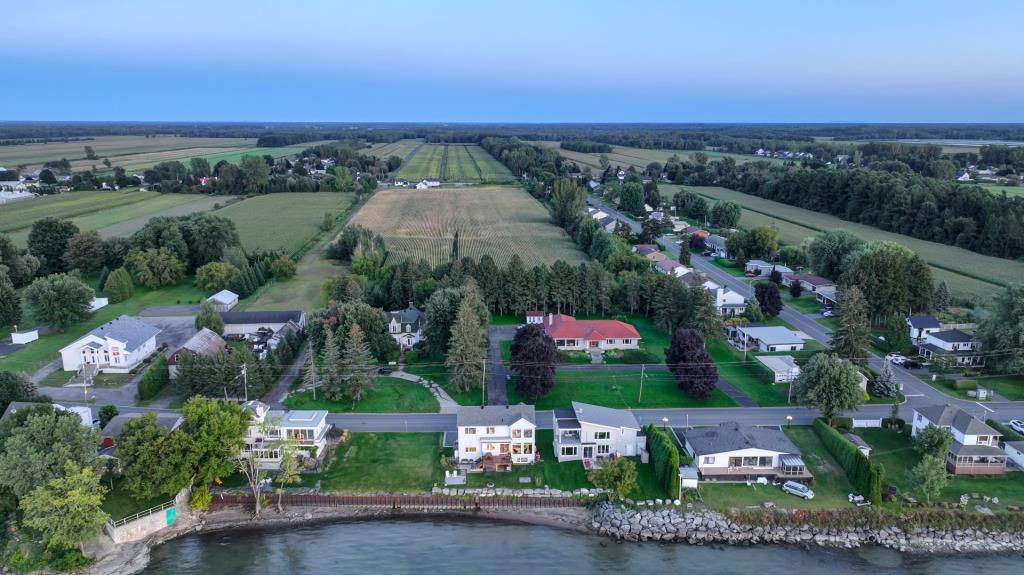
169, 310
497, 371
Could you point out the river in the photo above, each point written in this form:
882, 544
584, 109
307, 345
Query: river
461, 546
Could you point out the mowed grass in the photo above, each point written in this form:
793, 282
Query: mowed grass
383, 462
969, 274
21, 215
283, 221
113, 147
129, 218
500, 221
392, 395
1010, 190
618, 389
625, 156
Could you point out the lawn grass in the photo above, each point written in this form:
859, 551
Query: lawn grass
619, 389
806, 303
742, 376
284, 221
1009, 386
119, 504
383, 462
830, 486
60, 378
896, 454
392, 395
728, 266
432, 368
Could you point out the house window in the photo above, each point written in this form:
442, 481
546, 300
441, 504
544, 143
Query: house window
490, 431
569, 451
982, 440
603, 449
602, 435
627, 342
470, 431
528, 448
517, 433
610, 341
470, 450
709, 460
528, 433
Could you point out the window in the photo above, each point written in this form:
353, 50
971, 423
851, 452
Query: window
603, 449
470, 450
602, 435
517, 433
528, 433
709, 460
627, 342
610, 341
569, 451
490, 431
528, 448
982, 440
470, 431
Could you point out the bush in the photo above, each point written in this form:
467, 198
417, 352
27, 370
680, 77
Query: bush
865, 476
1008, 434
843, 424
664, 457
965, 384
155, 378
890, 423
201, 498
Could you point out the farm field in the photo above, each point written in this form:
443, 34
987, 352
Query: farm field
499, 221
34, 155
960, 268
453, 163
625, 156
400, 148
232, 155
283, 221
1010, 190
127, 219
21, 215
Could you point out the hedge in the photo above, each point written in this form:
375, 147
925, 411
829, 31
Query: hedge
865, 476
664, 457
155, 378
1008, 434
965, 384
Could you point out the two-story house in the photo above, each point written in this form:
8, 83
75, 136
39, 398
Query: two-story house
406, 326
587, 432
922, 325
496, 437
975, 449
114, 347
953, 346
728, 303
268, 428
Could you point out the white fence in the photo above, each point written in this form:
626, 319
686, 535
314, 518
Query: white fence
861, 423
23, 337
145, 523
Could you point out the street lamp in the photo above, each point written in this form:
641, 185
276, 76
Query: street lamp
664, 422
789, 420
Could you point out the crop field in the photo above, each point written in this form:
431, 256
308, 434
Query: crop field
113, 147
1011, 191
639, 157
232, 155
127, 219
283, 221
454, 163
400, 148
20, 215
969, 275
499, 221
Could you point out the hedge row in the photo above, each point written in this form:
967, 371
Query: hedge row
664, 457
1008, 434
156, 377
865, 476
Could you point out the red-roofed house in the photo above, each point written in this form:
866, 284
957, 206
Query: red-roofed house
571, 334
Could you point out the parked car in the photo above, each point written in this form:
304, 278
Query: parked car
385, 371
798, 489
896, 358
912, 364
1017, 425
827, 312
707, 254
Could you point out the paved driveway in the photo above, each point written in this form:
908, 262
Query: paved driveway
170, 310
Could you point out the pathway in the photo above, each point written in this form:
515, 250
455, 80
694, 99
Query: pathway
498, 372
448, 405
277, 395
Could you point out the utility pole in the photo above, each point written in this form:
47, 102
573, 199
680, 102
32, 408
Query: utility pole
245, 381
483, 382
639, 398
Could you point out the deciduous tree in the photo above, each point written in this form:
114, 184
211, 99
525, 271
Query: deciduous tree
830, 384
217, 429
933, 440
929, 475
36, 451
768, 298
534, 358
59, 300
155, 461
216, 276
693, 368
618, 475
155, 268
48, 240
16, 387
67, 508
85, 253
119, 286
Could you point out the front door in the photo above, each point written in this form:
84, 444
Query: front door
588, 452
594, 344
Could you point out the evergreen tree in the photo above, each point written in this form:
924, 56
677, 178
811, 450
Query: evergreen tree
311, 377
941, 298
104, 274
796, 289
706, 319
684, 252
897, 336
851, 339
753, 312
332, 373
209, 318
357, 366
119, 285
885, 384
693, 368
10, 302
455, 247
767, 295
465, 360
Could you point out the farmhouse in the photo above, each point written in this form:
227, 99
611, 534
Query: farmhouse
783, 367
736, 452
921, 326
571, 334
496, 437
223, 300
763, 268
757, 336
249, 322
586, 432
975, 448
205, 343
268, 427
954, 346
727, 302
114, 347
406, 326
809, 282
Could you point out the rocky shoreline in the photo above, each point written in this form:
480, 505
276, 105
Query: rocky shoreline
705, 527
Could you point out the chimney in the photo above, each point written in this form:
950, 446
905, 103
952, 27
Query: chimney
551, 318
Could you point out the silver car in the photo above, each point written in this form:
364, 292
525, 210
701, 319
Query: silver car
798, 489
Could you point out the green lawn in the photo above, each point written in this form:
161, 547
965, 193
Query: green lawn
829, 322
1009, 386
742, 376
283, 221
806, 303
506, 319
729, 266
392, 395
830, 484
383, 462
895, 453
619, 389
119, 504
433, 369
60, 378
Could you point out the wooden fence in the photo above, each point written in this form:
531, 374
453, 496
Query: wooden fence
467, 502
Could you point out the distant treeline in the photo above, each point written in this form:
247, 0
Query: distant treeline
586, 146
41, 141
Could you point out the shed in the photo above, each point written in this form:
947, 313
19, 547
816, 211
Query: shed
223, 300
688, 478
862, 445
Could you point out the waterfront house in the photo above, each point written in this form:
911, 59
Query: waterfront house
736, 452
952, 346
571, 334
588, 432
496, 437
975, 448
117, 346
111, 432
269, 427
406, 326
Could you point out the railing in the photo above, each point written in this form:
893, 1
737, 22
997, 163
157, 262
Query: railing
468, 502
862, 423
162, 507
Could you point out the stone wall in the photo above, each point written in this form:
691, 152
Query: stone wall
702, 527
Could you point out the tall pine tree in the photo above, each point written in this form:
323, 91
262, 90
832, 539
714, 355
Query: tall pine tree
465, 360
851, 339
332, 374
357, 366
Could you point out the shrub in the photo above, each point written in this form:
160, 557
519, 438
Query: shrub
282, 268
1008, 434
965, 384
843, 424
155, 378
865, 476
664, 457
201, 498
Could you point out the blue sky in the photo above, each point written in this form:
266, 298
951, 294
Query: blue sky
518, 61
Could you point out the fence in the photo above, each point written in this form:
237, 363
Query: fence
467, 502
861, 423
145, 523
157, 509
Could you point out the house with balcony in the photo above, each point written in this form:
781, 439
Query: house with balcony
592, 335
268, 428
734, 452
589, 432
952, 346
975, 449
493, 438
117, 346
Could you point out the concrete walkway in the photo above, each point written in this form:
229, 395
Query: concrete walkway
448, 405
276, 397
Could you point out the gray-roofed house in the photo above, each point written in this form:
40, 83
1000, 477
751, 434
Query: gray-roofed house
112, 430
224, 300
975, 449
406, 325
589, 432
760, 337
205, 343
809, 282
644, 249
716, 245
250, 322
921, 326
268, 427
114, 347
763, 268
783, 368
88, 414
737, 452
496, 437
952, 346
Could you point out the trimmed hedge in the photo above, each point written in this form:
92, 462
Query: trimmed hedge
665, 458
965, 384
156, 377
1008, 434
865, 476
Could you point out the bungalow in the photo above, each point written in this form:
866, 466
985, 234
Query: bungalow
783, 367
671, 268
249, 322
571, 334
115, 427
809, 282
644, 249
223, 300
608, 223
826, 296
268, 427
586, 432
727, 302
763, 268
974, 450
716, 245
496, 437
691, 278
737, 452
114, 347
205, 343
953, 346
921, 326
406, 326
424, 184
760, 337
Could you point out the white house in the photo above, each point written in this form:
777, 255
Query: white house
783, 367
955, 345
496, 437
249, 322
763, 268
534, 317
716, 245
406, 326
223, 300
975, 449
765, 338
826, 295
269, 427
114, 347
736, 452
728, 303
921, 326
587, 432
424, 184
571, 334
1015, 451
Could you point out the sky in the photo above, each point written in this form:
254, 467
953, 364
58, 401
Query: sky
514, 61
